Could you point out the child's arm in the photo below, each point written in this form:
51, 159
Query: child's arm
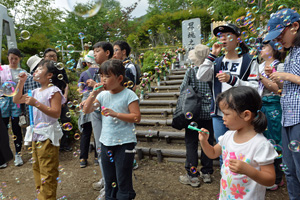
55, 102
88, 104
265, 176
270, 85
211, 151
134, 115
19, 98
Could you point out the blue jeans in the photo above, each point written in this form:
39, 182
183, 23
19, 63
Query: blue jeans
219, 129
117, 164
291, 160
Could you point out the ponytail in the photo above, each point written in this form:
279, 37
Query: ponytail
259, 122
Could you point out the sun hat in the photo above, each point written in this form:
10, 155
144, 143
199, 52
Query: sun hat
231, 28
90, 57
280, 20
33, 61
201, 52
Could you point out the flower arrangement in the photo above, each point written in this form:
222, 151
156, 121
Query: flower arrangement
180, 50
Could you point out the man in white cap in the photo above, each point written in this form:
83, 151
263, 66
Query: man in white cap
84, 121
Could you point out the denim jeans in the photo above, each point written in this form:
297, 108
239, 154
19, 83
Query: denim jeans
191, 143
219, 129
117, 164
291, 160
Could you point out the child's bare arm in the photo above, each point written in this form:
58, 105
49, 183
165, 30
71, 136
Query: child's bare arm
265, 176
19, 98
211, 151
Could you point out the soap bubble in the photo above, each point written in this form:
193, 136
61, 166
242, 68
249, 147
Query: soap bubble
193, 170
283, 167
294, 146
42, 125
278, 148
81, 35
194, 124
278, 46
70, 104
109, 153
71, 48
76, 136
189, 115
68, 114
156, 90
25, 35
85, 8
67, 126
9, 88
114, 184
130, 84
238, 50
60, 77
60, 66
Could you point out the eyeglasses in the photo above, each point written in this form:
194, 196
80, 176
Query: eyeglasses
116, 50
281, 34
51, 56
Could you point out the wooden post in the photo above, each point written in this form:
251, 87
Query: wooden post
159, 156
168, 140
139, 153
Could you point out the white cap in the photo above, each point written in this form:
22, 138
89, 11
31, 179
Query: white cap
33, 61
90, 57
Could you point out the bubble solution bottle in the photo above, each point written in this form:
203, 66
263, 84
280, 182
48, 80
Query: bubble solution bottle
232, 156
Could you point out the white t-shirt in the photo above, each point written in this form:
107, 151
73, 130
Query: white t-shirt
233, 67
257, 151
133, 70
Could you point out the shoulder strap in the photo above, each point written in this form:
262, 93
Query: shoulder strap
89, 74
246, 66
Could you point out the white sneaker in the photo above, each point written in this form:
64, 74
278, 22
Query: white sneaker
102, 195
18, 160
206, 177
98, 185
3, 166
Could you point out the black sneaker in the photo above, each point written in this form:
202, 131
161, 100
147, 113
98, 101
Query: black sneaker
68, 148
83, 163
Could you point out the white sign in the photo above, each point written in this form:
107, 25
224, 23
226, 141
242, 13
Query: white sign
191, 34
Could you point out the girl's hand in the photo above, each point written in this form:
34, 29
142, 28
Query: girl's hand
30, 100
203, 136
216, 48
82, 104
237, 166
97, 91
90, 83
109, 112
22, 77
277, 76
268, 70
223, 77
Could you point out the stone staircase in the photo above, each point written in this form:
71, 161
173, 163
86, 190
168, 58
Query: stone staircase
156, 137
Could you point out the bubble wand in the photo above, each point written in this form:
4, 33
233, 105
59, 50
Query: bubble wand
30, 110
98, 87
197, 129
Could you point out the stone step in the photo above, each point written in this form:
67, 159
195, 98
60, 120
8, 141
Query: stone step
162, 94
162, 111
168, 87
172, 77
155, 122
170, 103
178, 71
172, 82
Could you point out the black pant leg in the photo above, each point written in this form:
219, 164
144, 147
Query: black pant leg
64, 142
191, 143
207, 163
85, 140
18, 133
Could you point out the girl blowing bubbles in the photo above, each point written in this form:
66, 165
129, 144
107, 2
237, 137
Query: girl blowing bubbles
248, 156
46, 102
121, 110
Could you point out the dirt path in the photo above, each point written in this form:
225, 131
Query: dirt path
153, 181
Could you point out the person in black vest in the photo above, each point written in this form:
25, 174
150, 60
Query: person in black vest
235, 68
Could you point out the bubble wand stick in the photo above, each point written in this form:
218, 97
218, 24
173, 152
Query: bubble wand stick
98, 87
196, 129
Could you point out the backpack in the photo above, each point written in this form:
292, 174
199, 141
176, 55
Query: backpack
137, 69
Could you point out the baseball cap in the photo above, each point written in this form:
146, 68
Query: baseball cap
33, 61
279, 20
90, 57
227, 28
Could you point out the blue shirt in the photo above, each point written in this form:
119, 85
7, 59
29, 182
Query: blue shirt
114, 131
290, 100
84, 76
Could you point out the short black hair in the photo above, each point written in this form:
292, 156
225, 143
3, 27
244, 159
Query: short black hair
14, 51
113, 66
50, 49
123, 45
106, 46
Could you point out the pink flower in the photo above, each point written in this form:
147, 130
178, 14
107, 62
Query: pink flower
224, 184
245, 180
237, 191
226, 162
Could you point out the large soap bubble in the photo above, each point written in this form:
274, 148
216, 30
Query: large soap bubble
85, 8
